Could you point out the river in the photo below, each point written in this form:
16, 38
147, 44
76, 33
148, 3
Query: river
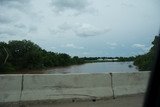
100, 67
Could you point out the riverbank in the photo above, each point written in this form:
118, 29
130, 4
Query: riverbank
36, 71
96, 61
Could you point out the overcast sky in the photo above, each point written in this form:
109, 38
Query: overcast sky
82, 27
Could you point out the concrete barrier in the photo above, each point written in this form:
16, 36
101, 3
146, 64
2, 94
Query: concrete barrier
60, 87
66, 86
129, 83
10, 88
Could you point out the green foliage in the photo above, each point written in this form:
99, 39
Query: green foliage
7, 68
77, 60
123, 59
27, 55
146, 61
3, 54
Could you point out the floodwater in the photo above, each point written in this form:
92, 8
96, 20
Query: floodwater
100, 67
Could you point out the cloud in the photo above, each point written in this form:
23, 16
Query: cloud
127, 4
85, 53
107, 5
18, 29
112, 45
17, 4
9, 32
141, 47
85, 30
4, 19
12, 31
17, 8
53, 47
16, 18
65, 26
32, 28
80, 29
70, 45
21, 26
138, 45
62, 28
74, 5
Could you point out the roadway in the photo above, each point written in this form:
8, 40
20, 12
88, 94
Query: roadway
125, 101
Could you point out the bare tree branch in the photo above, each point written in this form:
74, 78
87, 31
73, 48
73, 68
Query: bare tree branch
6, 56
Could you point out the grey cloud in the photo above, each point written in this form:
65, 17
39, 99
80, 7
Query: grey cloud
15, 18
4, 20
62, 28
65, 26
85, 30
80, 29
7, 32
20, 7
20, 30
111, 45
142, 47
127, 4
71, 45
6, 2
32, 29
76, 5
22, 26
107, 5
13, 10
138, 45
14, 3
56, 31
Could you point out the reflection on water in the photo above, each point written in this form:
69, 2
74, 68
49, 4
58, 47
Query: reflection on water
100, 67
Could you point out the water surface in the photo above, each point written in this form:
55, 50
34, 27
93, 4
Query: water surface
100, 67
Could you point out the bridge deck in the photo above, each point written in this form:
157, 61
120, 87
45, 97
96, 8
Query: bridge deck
125, 101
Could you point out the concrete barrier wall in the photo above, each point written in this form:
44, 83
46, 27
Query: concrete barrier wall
68, 86
40, 87
10, 88
129, 83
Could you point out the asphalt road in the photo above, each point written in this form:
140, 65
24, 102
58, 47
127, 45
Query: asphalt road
125, 101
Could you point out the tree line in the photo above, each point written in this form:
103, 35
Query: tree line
18, 55
146, 61
119, 59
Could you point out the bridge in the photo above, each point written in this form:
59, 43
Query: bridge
72, 89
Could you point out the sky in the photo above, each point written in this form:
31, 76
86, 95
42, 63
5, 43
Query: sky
82, 27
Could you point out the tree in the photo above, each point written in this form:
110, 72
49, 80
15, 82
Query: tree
4, 55
25, 54
146, 61
17, 55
